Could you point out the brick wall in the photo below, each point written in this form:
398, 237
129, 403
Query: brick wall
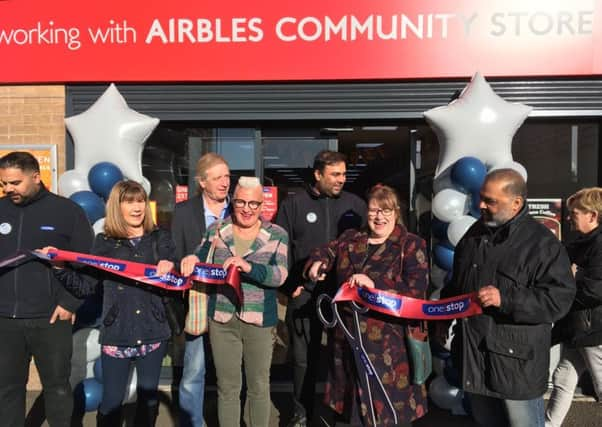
33, 115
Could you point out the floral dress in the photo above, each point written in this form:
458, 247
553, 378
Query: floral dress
383, 336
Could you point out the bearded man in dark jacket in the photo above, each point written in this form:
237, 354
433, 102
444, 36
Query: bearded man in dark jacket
36, 312
524, 282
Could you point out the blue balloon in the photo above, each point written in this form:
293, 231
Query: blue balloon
443, 257
93, 206
102, 177
87, 395
469, 173
98, 370
439, 228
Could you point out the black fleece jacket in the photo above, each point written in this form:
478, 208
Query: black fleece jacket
30, 289
311, 220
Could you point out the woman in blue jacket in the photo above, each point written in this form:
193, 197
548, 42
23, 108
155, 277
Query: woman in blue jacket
134, 326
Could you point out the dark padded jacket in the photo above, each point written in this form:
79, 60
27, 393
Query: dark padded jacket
312, 220
30, 289
505, 352
132, 313
583, 324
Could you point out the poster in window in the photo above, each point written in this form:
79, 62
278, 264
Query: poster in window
46, 156
270, 203
548, 212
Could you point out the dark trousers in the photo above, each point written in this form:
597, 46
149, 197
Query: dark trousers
305, 334
51, 347
115, 376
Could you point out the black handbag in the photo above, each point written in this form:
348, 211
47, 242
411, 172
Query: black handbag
175, 312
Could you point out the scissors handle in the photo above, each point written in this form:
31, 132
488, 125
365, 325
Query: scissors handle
327, 323
359, 308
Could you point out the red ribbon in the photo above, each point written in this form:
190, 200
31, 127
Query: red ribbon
210, 274
410, 308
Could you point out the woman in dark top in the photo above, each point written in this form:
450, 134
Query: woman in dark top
581, 329
134, 326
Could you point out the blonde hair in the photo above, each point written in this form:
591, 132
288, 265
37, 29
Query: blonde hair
125, 191
386, 198
586, 199
206, 162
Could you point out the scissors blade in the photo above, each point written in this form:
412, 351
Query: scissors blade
367, 373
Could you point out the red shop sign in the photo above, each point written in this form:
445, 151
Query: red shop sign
214, 41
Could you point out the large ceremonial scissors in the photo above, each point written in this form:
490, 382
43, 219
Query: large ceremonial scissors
368, 377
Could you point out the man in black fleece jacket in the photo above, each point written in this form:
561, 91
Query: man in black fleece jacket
313, 218
36, 312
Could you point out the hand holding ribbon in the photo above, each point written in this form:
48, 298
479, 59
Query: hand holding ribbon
149, 274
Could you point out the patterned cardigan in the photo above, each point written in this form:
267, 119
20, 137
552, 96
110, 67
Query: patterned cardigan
269, 269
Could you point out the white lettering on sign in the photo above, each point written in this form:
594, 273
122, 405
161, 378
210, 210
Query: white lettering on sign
348, 27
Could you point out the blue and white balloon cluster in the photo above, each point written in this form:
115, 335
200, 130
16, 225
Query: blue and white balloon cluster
91, 191
457, 208
108, 139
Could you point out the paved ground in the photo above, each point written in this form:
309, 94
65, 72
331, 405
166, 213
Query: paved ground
584, 413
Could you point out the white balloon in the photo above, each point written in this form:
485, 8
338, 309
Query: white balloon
479, 123
444, 395
90, 369
449, 204
110, 131
130, 393
458, 227
99, 226
512, 165
450, 336
72, 181
86, 340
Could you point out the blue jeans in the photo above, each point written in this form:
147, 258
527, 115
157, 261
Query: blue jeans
115, 375
492, 412
573, 363
192, 386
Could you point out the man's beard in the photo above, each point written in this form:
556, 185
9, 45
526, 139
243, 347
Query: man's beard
495, 220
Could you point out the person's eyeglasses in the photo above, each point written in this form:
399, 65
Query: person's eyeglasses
240, 203
385, 212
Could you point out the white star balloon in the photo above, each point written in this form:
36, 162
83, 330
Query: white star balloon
110, 131
479, 123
